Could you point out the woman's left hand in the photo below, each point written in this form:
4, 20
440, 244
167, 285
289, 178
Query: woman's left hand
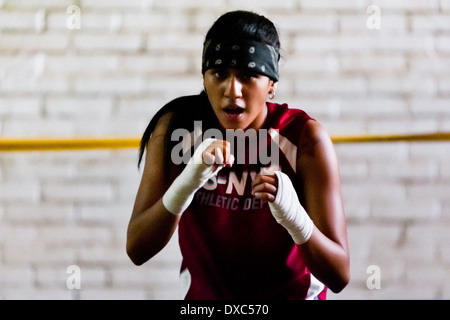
265, 185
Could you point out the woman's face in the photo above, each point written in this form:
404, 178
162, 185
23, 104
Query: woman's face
238, 97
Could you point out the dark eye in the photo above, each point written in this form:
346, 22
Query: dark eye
248, 75
220, 73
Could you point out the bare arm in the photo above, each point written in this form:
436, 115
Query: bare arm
151, 226
326, 251
160, 202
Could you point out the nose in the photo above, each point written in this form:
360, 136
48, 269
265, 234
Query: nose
233, 88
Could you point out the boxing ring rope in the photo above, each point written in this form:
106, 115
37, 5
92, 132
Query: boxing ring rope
72, 144
67, 144
436, 136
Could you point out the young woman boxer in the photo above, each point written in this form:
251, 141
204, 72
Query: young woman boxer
259, 220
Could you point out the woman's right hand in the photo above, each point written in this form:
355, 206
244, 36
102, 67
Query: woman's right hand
209, 158
265, 185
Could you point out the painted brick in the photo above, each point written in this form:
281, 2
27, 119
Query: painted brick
32, 43
19, 107
334, 5
78, 191
129, 58
99, 42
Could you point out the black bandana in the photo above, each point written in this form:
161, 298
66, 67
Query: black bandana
244, 54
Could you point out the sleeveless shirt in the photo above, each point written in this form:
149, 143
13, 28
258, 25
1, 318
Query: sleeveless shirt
232, 247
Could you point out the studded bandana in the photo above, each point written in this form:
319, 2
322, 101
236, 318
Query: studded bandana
244, 54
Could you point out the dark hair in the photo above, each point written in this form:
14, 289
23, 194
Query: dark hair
232, 25
244, 25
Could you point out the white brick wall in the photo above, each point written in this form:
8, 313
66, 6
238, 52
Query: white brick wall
130, 57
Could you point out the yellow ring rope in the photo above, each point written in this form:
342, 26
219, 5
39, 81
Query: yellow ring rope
438, 136
61, 144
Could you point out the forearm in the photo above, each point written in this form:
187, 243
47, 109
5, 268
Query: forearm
327, 260
149, 232
152, 229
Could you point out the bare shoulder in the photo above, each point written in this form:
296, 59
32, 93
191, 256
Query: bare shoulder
162, 126
153, 178
154, 161
314, 139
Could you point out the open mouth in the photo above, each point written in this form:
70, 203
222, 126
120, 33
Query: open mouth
234, 110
